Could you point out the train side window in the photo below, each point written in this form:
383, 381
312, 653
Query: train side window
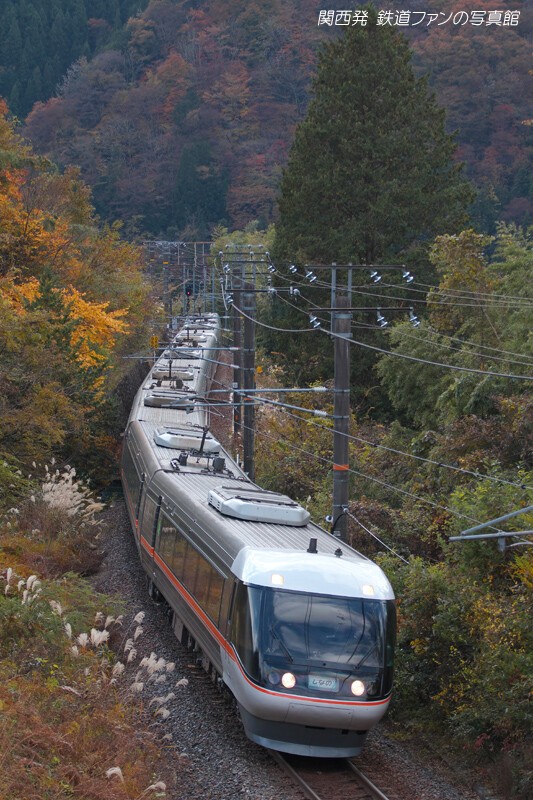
190, 568
196, 573
155, 525
178, 557
133, 480
147, 517
140, 498
201, 583
242, 632
226, 608
214, 599
167, 539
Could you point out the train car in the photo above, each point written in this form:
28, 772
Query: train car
299, 627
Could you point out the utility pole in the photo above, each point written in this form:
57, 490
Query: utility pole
167, 300
248, 365
341, 328
237, 343
341, 315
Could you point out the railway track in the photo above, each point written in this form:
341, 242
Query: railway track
334, 779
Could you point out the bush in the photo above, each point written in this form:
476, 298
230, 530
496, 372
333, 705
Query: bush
55, 530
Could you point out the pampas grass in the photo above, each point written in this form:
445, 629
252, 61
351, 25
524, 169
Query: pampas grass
63, 492
71, 703
68, 705
65, 524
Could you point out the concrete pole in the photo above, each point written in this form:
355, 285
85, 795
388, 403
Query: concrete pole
341, 327
248, 363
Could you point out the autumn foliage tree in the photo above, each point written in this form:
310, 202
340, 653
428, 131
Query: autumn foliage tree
69, 295
234, 78
370, 172
480, 74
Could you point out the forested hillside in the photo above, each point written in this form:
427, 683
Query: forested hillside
192, 116
40, 39
187, 121
72, 300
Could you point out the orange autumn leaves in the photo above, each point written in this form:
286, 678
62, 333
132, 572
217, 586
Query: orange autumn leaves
46, 226
94, 327
73, 302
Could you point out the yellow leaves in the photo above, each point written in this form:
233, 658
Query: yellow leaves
17, 294
96, 327
420, 646
461, 261
523, 569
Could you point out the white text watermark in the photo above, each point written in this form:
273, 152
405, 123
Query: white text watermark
413, 18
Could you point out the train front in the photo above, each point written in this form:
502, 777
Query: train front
312, 650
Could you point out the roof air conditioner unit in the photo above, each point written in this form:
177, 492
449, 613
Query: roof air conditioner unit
257, 505
185, 440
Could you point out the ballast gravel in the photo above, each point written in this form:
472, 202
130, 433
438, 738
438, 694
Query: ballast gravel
206, 755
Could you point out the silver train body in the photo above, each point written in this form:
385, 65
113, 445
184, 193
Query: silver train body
299, 629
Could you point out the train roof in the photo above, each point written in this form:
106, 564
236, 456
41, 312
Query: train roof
208, 493
255, 551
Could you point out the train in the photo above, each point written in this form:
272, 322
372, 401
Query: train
298, 626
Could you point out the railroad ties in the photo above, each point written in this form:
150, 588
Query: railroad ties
326, 778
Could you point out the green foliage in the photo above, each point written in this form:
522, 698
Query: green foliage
201, 188
252, 237
479, 320
370, 180
464, 653
27, 628
40, 39
370, 171
12, 481
413, 399
285, 448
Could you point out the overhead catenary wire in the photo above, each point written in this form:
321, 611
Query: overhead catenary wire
487, 373
386, 546
517, 302
460, 470
481, 346
378, 446
419, 338
517, 356
440, 464
471, 473
449, 366
371, 478
391, 353
466, 294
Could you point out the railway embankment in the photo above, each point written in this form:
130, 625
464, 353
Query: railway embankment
205, 753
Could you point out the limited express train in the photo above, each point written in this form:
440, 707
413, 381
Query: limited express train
299, 627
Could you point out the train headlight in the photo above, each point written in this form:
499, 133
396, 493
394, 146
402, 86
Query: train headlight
358, 688
274, 677
288, 680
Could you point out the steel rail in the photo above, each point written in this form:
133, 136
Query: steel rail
309, 793
377, 793
374, 792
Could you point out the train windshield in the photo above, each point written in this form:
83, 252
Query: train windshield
328, 630
310, 634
